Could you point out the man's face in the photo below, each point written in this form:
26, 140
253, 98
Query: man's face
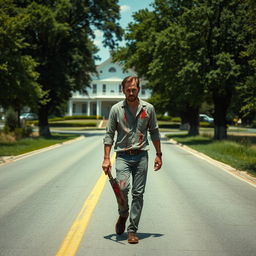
131, 91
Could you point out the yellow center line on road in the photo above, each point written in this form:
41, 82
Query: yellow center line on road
73, 238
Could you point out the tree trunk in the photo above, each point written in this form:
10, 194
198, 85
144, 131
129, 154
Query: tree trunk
184, 121
220, 132
193, 118
221, 104
20, 124
44, 129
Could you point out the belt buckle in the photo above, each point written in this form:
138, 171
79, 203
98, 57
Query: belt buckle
129, 152
133, 152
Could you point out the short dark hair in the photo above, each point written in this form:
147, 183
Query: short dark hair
129, 79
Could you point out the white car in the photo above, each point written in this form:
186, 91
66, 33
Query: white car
205, 118
28, 116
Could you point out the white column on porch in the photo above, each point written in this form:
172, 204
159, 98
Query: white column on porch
98, 113
88, 108
70, 107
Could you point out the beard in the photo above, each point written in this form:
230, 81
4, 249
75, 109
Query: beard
131, 98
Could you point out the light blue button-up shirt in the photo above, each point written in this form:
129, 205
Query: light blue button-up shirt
131, 130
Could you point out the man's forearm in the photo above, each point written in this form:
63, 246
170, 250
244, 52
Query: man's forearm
157, 146
107, 149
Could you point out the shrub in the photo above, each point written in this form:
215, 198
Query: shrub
63, 124
169, 126
18, 133
7, 137
163, 118
23, 132
176, 119
32, 122
56, 119
82, 117
11, 120
27, 131
204, 124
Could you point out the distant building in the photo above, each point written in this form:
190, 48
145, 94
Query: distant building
105, 91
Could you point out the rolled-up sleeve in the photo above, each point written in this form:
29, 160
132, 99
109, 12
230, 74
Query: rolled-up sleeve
153, 126
111, 128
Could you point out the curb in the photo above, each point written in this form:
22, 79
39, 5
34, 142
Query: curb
8, 159
242, 175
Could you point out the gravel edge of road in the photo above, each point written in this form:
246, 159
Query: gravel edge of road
242, 175
8, 159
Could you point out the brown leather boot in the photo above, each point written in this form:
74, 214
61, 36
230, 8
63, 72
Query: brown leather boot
132, 238
120, 225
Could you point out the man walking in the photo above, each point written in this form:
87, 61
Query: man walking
132, 118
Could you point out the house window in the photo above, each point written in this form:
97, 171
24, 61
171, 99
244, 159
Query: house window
104, 88
112, 70
94, 88
120, 88
84, 108
74, 108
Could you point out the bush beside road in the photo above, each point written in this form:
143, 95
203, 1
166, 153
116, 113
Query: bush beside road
61, 122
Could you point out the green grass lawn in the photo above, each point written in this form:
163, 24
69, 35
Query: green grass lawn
70, 123
75, 123
238, 152
32, 143
168, 125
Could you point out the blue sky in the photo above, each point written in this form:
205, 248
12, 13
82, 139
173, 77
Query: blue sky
127, 8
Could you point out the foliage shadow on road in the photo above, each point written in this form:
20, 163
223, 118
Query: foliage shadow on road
120, 238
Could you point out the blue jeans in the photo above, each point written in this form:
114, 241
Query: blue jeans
137, 167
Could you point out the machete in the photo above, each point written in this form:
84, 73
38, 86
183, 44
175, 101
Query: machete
118, 193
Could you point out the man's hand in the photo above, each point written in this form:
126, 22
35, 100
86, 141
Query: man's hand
158, 163
106, 165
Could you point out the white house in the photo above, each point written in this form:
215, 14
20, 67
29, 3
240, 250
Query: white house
105, 91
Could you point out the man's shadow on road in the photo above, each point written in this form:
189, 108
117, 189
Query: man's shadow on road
120, 238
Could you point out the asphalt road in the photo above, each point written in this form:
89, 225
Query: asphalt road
192, 208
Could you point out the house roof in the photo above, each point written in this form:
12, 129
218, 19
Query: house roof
109, 61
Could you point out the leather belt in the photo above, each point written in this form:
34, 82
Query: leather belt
131, 152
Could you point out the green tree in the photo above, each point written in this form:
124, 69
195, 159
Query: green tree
161, 48
18, 78
190, 50
224, 41
60, 36
247, 90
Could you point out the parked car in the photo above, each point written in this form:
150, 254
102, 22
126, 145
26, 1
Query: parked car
205, 118
28, 116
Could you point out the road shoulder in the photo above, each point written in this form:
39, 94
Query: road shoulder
242, 175
8, 159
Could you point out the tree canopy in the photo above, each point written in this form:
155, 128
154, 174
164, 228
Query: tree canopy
190, 52
18, 76
247, 90
58, 36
